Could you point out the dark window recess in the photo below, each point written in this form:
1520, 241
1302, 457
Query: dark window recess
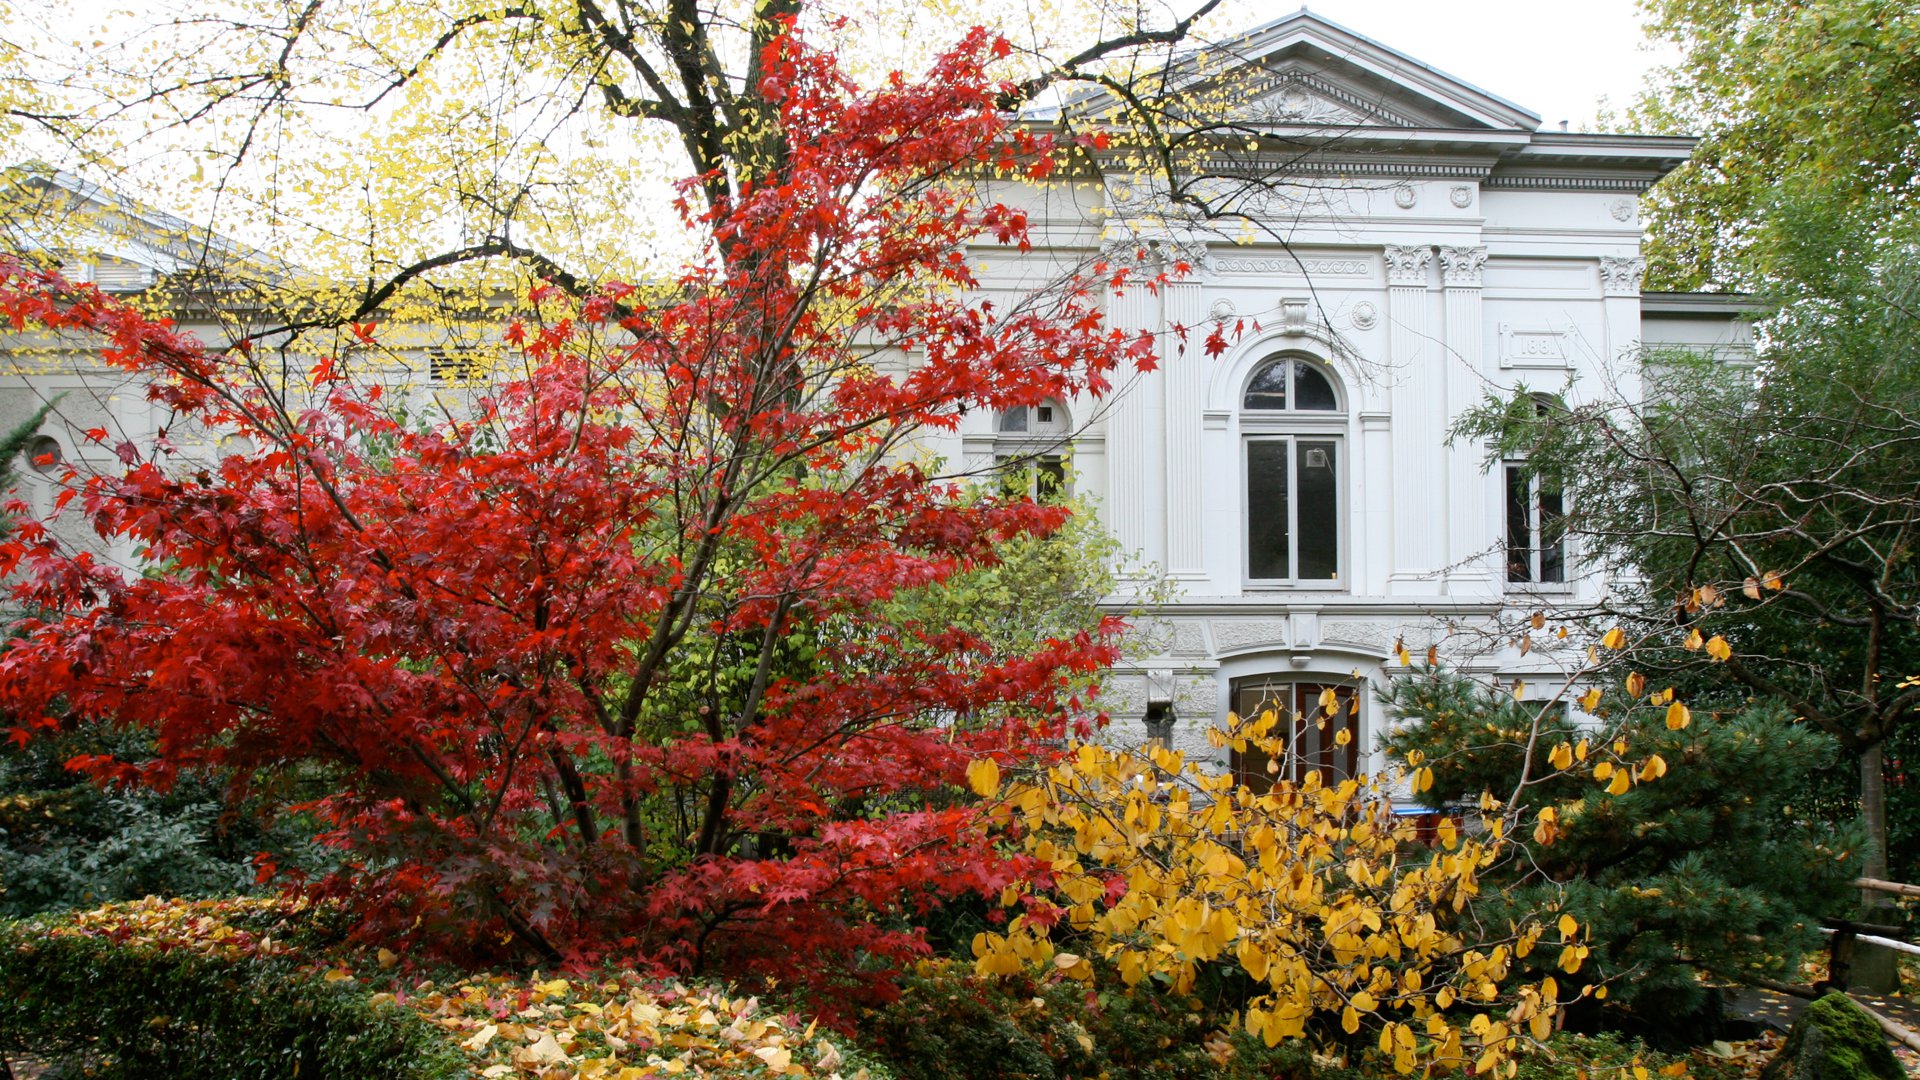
1311, 390
1268, 492
1313, 737
1267, 389
1014, 419
453, 367
1045, 413
1159, 720
1318, 519
1293, 509
1536, 529
1042, 478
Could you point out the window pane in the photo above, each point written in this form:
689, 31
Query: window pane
1014, 419
1050, 478
1267, 509
1252, 766
1268, 388
1319, 520
1311, 390
1553, 538
1519, 526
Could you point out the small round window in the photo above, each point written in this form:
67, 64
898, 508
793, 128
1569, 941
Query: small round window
43, 454
1290, 384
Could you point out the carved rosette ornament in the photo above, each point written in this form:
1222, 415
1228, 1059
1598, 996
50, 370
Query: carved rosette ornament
1365, 316
1407, 264
1620, 275
1460, 266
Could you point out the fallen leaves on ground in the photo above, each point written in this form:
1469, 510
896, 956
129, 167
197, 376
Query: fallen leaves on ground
615, 1027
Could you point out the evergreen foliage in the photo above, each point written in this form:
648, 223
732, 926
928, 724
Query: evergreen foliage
1770, 506
1708, 869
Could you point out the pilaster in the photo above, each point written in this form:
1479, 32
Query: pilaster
1469, 545
1135, 474
1418, 404
1185, 373
1620, 288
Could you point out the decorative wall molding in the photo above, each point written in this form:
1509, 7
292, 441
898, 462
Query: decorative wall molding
1405, 196
1408, 264
1155, 253
1620, 275
1461, 196
1535, 346
1364, 316
1460, 267
1311, 266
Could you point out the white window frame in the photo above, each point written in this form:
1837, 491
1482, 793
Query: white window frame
1044, 443
1535, 527
1293, 425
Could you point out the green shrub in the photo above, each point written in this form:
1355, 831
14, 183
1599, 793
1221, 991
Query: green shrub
139, 1011
950, 1024
66, 842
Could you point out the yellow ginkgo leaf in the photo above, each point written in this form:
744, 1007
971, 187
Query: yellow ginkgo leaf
1590, 700
1568, 926
1615, 638
1678, 716
1621, 781
1636, 684
1561, 756
1719, 649
1694, 640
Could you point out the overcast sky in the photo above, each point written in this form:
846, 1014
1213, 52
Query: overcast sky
1557, 58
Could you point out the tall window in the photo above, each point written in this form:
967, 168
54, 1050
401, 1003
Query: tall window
1536, 517
1319, 731
1536, 529
1030, 451
1291, 421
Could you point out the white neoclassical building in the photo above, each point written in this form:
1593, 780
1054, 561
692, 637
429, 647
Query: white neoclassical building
1412, 244
1429, 245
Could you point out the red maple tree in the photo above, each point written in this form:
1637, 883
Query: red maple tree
606, 668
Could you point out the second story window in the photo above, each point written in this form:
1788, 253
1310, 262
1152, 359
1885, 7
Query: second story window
1536, 530
1292, 426
1031, 454
1535, 512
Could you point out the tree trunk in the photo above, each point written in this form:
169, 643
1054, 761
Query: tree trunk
1873, 967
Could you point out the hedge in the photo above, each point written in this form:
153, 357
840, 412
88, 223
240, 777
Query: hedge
134, 1010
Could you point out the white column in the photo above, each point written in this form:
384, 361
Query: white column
1620, 285
1185, 373
1418, 415
1470, 548
1374, 551
1134, 450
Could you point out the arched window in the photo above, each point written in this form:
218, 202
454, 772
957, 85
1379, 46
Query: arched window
1030, 450
1318, 730
1292, 424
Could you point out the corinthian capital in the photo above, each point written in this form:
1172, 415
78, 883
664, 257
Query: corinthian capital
1407, 264
1460, 266
1620, 275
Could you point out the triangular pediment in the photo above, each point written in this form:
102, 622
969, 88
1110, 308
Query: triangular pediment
1295, 93
1307, 71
